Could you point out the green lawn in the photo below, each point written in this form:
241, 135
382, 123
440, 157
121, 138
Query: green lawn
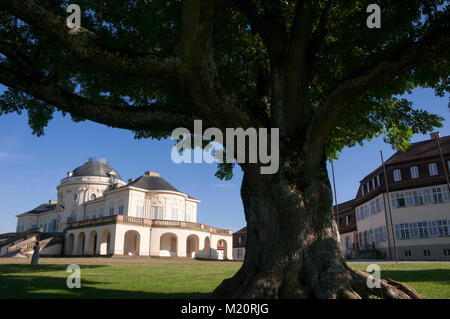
175, 280
429, 279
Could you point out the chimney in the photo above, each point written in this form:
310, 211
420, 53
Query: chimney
69, 174
51, 201
130, 180
150, 173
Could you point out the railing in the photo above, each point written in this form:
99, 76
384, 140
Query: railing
26, 245
77, 179
148, 222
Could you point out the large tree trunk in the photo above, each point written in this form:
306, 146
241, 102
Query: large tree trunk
293, 248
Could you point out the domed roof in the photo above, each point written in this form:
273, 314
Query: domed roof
95, 166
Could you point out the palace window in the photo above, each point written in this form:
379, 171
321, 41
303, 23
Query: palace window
174, 213
437, 195
426, 252
378, 180
427, 196
417, 197
446, 252
121, 210
139, 211
443, 227
402, 231
158, 212
75, 197
432, 168
239, 239
423, 230
380, 234
398, 200
383, 235
408, 253
414, 172
378, 205
111, 211
397, 175
93, 196
347, 220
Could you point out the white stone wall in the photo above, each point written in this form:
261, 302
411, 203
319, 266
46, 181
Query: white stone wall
150, 241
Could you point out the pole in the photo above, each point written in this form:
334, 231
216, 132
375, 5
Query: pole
437, 137
335, 197
389, 208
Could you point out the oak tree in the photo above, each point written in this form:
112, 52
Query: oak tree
311, 68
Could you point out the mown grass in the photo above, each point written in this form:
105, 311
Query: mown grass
114, 281
429, 279
178, 280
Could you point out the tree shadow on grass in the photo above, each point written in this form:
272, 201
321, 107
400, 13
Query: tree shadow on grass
6, 269
428, 275
15, 285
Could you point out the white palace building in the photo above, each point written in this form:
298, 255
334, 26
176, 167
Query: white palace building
100, 214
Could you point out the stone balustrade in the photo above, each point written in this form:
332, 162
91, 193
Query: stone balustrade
156, 223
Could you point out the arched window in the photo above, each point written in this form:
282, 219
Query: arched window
75, 197
93, 196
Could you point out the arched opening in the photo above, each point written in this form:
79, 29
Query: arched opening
105, 244
207, 249
131, 243
192, 244
81, 240
69, 245
92, 248
168, 245
222, 249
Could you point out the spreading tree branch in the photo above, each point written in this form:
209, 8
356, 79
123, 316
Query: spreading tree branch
197, 19
417, 53
44, 88
85, 45
269, 26
319, 34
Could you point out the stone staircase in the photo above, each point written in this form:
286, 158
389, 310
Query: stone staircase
22, 244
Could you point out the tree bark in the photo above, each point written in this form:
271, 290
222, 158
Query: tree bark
293, 248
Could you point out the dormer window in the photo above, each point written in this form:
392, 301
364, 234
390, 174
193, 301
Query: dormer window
397, 175
414, 172
378, 180
362, 189
432, 168
368, 187
93, 196
373, 183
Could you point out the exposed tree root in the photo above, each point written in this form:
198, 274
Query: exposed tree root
389, 289
242, 286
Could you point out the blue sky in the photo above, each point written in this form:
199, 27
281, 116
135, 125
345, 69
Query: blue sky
32, 167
